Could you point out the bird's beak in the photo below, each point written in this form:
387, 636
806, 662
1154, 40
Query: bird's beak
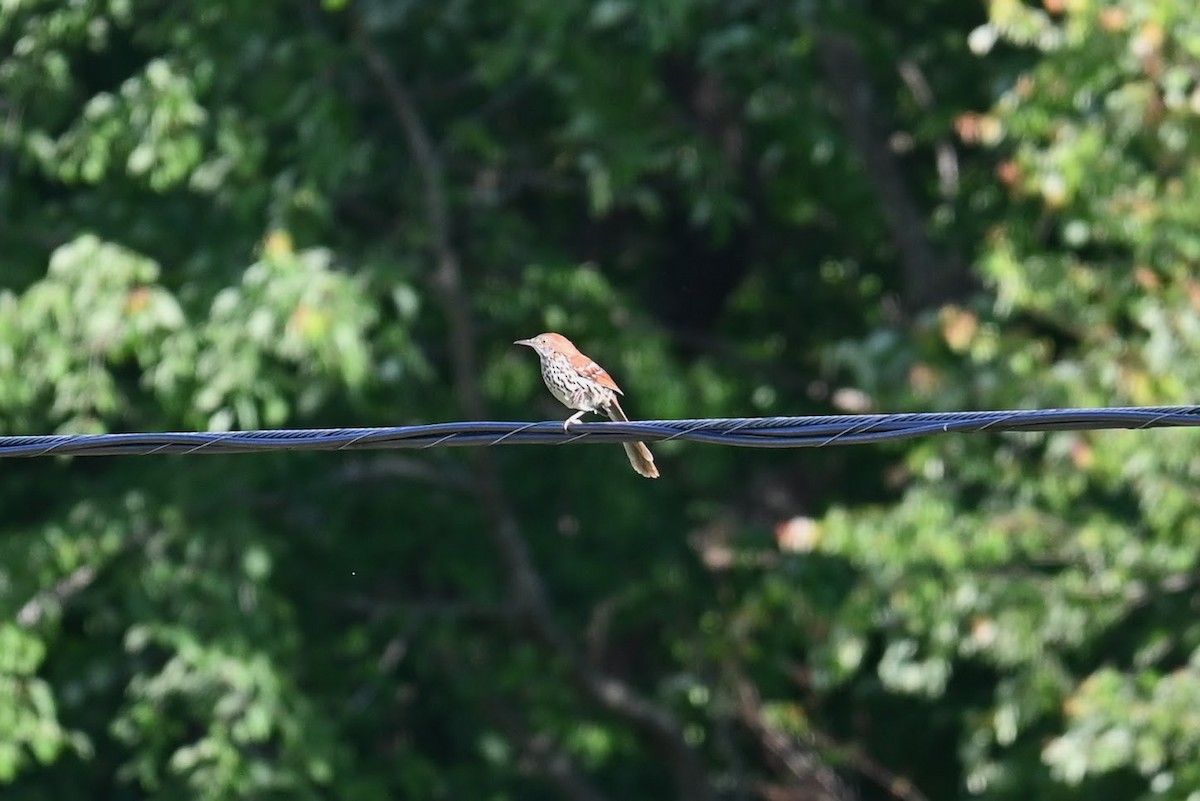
528, 342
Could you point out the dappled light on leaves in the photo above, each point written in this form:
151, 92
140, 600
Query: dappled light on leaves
339, 214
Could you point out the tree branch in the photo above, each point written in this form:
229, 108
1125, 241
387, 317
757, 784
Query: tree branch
54, 598
541, 754
815, 778
946, 156
801, 762
528, 592
928, 278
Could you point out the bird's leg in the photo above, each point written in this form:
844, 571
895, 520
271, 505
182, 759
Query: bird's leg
573, 419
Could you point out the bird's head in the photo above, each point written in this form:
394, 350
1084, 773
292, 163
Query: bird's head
549, 344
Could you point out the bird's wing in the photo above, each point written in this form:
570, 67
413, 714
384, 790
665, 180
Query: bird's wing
589, 369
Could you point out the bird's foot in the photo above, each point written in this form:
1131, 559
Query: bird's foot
572, 419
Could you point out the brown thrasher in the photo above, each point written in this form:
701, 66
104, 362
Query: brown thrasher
579, 383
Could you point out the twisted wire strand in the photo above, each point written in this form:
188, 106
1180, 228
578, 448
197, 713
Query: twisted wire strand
751, 432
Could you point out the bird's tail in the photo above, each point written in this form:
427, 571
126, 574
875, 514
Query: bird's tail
639, 455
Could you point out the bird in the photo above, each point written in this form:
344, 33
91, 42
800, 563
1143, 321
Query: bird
581, 384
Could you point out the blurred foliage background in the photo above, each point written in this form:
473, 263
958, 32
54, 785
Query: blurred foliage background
223, 214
